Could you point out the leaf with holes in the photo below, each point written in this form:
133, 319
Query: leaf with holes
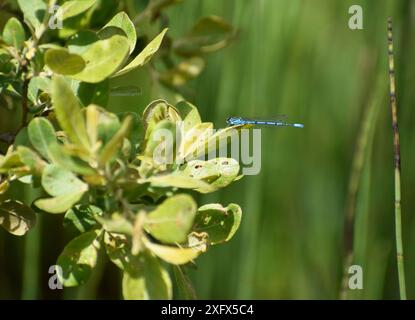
78, 259
220, 223
82, 217
16, 217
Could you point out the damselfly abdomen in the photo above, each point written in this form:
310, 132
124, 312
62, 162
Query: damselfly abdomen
236, 121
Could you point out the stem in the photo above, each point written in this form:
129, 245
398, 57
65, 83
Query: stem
32, 256
25, 103
361, 154
397, 163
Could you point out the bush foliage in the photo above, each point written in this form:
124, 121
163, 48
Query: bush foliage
96, 167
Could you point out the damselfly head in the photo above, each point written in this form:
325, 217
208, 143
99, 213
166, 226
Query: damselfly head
235, 121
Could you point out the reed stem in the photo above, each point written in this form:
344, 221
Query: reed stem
397, 163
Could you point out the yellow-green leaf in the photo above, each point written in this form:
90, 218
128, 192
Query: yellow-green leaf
68, 113
61, 61
13, 33
59, 204
103, 58
146, 280
74, 7
32, 160
172, 220
145, 55
174, 255
58, 181
122, 21
113, 146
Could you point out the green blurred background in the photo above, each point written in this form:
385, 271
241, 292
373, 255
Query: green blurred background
297, 58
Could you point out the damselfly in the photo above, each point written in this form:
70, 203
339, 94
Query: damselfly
236, 121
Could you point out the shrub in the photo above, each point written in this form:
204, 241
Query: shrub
96, 167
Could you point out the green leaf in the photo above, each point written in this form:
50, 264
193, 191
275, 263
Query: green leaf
81, 41
4, 186
183, 72
172, 220
228, 169
74, 7
94, 93
33, 10
178, 180
103, 58
59, 204
194, 140
189, 115
60, 61
76, 23
209, 34
170, 254
122, 21
108, 32
101, 124
10, 161
117, 223
156, 112
58, 181
78, 259
146, 280
36, 84
68, 113
219, 172
16, 217
118, 250
14, 34
82, 217
218, 222
32, 160
217, 140
154, 140
113, 146
43, 138
145, 55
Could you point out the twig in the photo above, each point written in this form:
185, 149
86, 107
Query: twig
25, 103
397, 162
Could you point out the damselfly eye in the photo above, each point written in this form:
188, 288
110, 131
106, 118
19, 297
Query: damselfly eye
233, 120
